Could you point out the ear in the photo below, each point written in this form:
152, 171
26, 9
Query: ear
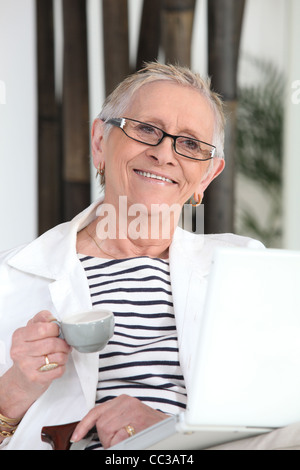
97, 136
217, 166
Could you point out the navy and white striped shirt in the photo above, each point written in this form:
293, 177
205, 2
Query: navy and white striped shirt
141, 359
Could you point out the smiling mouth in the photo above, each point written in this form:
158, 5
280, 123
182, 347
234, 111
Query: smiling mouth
146, 174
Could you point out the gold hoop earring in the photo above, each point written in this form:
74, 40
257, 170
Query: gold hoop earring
100, 169
195, 202
101, 172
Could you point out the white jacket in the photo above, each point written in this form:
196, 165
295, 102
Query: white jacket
46, 274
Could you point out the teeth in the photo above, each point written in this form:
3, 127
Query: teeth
151, 175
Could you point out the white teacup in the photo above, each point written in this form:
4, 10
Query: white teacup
88, 331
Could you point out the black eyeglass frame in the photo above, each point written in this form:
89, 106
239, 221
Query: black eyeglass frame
120, 122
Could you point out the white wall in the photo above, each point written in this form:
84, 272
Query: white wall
18, 165
96, 75
271, 32
264, 35
291, 194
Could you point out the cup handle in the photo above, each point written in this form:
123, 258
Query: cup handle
60, 335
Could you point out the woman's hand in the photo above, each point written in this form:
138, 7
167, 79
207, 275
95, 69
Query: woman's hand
24, 382
112, 417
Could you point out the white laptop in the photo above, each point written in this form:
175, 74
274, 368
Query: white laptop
247, 370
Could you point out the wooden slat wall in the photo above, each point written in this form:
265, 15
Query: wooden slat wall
177, 18
64, 167
63, 146
49, 148
150, 30
75, 110
116, 42
224, 30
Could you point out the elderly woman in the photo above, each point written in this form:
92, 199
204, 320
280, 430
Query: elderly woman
159, 142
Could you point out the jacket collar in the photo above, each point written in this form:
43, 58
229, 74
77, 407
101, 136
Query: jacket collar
53, 254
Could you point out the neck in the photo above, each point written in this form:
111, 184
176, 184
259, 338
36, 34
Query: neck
124, 232
118, 249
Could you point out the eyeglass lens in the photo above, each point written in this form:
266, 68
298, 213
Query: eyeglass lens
152, 135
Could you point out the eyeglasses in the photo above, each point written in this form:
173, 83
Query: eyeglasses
152, 135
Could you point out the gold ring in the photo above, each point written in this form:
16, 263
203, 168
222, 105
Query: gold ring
130, 430
48, 365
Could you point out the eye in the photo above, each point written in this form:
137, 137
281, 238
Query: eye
189, 144
145, 129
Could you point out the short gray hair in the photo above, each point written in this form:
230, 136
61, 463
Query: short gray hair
119, 100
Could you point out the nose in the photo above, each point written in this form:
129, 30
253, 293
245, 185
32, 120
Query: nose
164, 153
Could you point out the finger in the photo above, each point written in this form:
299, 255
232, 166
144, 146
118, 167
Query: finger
109, 417
30, 355
99, 414
27, 372
109, 439
50, 367
87, 423
45, 316
47, 347
119, 436
31, 361
36, 330
112, 426
54, 358
42, 316
125, 411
